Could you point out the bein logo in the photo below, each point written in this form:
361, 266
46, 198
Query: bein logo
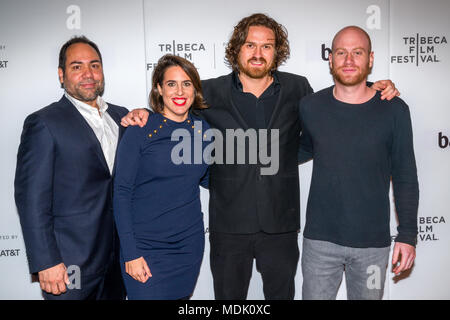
443, 141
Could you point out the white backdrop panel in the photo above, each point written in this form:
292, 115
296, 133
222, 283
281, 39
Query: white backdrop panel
31, 34
420, 29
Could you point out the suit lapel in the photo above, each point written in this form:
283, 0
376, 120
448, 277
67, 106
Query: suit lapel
81, 126
117, 118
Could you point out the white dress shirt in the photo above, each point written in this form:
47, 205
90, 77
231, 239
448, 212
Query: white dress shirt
105, 128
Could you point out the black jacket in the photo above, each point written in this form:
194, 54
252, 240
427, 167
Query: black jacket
241, 199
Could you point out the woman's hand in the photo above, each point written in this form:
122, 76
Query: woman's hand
138, 269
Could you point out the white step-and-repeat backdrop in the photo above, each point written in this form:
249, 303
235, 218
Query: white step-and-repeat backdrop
410, 41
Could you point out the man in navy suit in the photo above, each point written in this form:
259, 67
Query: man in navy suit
63, 183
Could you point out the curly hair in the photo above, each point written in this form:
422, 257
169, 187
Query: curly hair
165, 62
240, 34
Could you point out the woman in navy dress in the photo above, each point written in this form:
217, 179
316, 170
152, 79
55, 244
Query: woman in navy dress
156, 189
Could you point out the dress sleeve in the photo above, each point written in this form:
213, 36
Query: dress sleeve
127, 167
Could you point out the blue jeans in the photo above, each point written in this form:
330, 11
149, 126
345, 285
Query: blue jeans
323, 264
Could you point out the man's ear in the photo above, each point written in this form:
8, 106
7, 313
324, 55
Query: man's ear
61, 77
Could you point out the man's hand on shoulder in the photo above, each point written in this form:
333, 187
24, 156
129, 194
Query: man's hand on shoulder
387, 88
136, 117
54, 280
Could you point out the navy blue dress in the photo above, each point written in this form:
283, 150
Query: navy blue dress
157, 204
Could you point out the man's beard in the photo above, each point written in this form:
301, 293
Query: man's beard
87, 96
256, 73
354, 80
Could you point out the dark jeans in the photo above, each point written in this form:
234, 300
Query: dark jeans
231, 259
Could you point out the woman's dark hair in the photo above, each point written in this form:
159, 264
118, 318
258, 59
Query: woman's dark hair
240, 34
165, 62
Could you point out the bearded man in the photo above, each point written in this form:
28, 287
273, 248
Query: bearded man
63, 183
359, 143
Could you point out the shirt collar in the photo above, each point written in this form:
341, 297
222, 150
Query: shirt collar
103, 106
238, 84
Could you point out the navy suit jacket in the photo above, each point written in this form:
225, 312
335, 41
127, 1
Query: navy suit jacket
63, 190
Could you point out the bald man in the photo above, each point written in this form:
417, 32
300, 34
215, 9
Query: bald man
359, 143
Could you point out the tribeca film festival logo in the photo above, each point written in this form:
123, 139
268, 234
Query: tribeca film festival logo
185, 50
420, 49
427, 228
235, 140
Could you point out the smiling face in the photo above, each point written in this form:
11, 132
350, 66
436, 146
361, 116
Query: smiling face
257, 55
178, 93
83, 76
351, 60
